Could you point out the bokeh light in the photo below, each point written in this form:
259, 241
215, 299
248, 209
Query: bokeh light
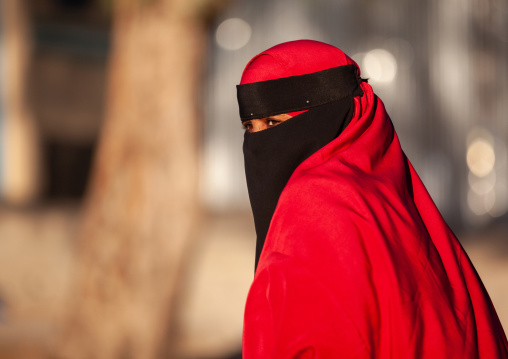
480, 157
380, 66
500, 205
487, 162
480, 204
482, 185
233, 34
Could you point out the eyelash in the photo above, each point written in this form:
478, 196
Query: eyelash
272, 121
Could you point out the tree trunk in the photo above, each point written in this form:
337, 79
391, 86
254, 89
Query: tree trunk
142, 204
20, 182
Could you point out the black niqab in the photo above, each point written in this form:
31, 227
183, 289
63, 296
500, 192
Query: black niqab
272, 155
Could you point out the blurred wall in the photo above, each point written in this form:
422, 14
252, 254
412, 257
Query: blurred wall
19, 141
52, 80
1, 98
67, 89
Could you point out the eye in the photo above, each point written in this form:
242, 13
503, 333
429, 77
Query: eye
247, 126
272, 122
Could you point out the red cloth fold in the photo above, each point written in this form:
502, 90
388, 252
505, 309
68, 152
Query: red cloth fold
358, 262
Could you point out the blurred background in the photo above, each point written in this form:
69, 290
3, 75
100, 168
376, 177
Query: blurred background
125, 226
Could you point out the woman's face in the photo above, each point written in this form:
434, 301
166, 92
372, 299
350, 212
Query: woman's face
264, 123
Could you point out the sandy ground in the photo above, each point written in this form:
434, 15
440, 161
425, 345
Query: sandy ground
36, 260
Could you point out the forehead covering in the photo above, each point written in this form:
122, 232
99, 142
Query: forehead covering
294, 58
311, 70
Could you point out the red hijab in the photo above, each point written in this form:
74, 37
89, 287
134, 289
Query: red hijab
292, 59
358, 262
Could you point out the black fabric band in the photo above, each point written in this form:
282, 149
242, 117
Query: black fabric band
296, 93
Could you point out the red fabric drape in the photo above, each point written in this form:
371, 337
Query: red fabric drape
358, 262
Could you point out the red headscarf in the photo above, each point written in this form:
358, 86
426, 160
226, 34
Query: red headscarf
358, 262
292, 59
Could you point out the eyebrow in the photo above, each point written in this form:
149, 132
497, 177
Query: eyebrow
264, 118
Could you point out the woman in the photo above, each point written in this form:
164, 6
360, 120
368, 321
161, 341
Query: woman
353, 259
